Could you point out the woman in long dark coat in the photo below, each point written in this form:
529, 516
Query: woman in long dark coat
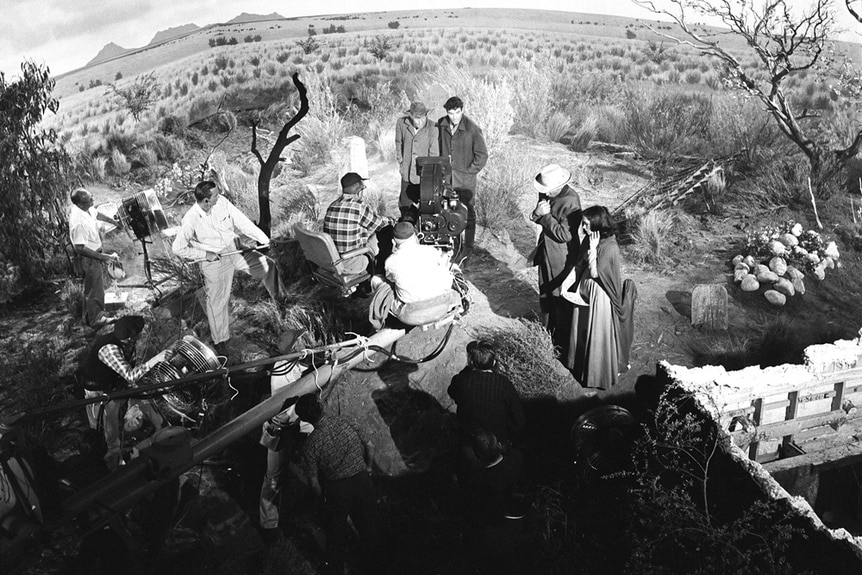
602, 322
558, 212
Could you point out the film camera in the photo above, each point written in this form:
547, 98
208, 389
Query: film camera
442, 217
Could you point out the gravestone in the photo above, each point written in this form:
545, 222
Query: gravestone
709, 306
351, 157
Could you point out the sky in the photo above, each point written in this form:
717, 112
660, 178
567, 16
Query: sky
66, 34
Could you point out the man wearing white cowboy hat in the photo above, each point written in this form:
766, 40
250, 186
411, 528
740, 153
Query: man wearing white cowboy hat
415, 137
558, 211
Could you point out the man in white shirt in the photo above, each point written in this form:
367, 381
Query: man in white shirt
416, 273
85, 234
209, 233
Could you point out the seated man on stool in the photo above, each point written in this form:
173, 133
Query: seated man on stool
352, 224
418, 278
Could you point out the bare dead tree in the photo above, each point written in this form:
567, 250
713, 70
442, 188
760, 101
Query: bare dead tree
268, 166
855, 8
784, 42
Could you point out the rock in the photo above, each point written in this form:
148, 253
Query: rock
796, 230
760, 269
736, 260
831, 251
750, 283
799, 286
789, 240
767, 277
828, 262
774, 297
799, 250
778, 265
813, 258
819, 273
785, 286
792, 273
777, 248
741, 266
749, 261
740, 274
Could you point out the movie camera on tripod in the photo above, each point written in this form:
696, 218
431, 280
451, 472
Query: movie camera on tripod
442, 216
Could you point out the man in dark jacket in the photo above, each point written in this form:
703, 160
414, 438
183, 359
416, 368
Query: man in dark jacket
462, 141
109, 368
558, 212
415, 137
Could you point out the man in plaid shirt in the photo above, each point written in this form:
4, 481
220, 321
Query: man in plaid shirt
351, 223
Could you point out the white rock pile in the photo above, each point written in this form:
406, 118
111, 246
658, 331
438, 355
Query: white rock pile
774, 270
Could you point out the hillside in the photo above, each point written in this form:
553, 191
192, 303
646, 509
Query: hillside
245, 18
173, 32
109, 52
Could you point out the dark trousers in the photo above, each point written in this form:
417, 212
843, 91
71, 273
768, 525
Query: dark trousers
352, 497
408, 202
467, 196
94, 290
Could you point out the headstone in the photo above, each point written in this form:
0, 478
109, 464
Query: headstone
709, 306
356, 154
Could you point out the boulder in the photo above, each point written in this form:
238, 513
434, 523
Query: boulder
789, 240
819, 273
767, 277
760, 269
740, 274
750, 283
749, 261
799, 286
796, 230
774, 297
736, 260
785, 286
776, 248
741, 266
793, 274
800, 251
778, 265
831, 250
828, 262
813, 258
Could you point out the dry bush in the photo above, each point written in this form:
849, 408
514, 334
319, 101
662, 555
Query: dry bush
532, 95
324, 127
505, 193
557, 126
385, 139
144, 157
72, 296
650, 236
242, 187
667, 124
183, 271
527, 356
487, 101
119, 164
585, 134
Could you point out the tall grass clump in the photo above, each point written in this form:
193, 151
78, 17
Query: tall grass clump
119, 164
527, 356
650, 236
505, 194
487, 101
666, 124
323, 128
532, 96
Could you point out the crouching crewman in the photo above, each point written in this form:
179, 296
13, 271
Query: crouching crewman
419, 282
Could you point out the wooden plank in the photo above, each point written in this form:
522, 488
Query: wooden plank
758, 411
834, 457
785, 403
816, 396
709, 306
794, 426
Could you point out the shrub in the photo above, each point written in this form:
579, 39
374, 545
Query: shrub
662, 125
505, 194
144, 157
532, 96
119, 164
394, 24
526, 355
630, 35
322, 129
309, 45
487, 101
380, 47
650, 237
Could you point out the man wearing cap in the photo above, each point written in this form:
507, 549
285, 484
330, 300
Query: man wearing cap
558, 212
352, 224
462, 141
84, 232
415, 137
108, 368
415, 274
210, 235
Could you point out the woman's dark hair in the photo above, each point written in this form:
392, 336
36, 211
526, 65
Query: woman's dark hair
481, 355
202, 190
308, 408
600, 221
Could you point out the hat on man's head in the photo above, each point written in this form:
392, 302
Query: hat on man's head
417, 109
128, 326
403, 231
350, 178
552, 178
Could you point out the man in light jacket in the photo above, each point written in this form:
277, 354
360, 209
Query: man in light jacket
415, 137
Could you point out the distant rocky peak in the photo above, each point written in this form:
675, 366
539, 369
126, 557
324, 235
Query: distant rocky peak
165, 35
